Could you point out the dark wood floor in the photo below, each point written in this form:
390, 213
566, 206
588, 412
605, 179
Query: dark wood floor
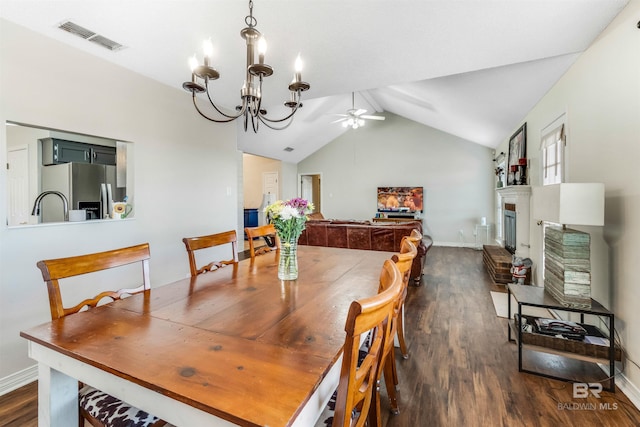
461, 370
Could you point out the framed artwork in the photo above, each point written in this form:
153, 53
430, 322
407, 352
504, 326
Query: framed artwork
516, 165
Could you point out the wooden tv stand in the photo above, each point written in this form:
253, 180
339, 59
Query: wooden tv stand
397, 216
396, 220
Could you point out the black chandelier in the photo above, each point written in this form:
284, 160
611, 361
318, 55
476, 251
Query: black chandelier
251, 92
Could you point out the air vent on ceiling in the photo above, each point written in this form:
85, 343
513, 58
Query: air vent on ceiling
105, 42
288, 149
76, 29
89, 35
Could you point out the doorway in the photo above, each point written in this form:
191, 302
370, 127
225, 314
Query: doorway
310, 189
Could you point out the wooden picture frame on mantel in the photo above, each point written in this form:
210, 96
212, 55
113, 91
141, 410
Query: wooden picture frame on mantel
516, 171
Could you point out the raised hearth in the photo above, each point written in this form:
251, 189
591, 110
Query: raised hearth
497, 261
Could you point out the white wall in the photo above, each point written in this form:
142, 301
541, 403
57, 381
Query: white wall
601, 97
289, 181
183, 167
457, 175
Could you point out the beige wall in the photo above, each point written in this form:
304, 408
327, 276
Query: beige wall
254, 167
600, 95
186, 171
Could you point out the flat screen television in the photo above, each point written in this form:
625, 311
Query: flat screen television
400, 199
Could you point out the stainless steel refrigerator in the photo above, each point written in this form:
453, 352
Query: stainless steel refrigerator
81, 183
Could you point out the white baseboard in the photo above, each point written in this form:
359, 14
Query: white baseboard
629, 389
457, 245
18, 379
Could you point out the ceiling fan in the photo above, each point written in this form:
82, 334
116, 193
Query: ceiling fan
355, 118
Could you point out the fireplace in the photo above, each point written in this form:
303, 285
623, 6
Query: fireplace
515, 203
510, 238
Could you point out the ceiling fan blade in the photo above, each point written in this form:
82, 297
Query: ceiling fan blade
373, 117
359, 112
339, 120
337, 115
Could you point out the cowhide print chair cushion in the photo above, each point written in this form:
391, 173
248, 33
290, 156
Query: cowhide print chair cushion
113, 412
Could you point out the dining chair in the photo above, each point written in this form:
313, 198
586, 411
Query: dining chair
99, 408
202, 242
355, 401
403, 260
266, 231
415, 236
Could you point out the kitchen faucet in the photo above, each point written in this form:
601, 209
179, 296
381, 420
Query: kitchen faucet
65, 203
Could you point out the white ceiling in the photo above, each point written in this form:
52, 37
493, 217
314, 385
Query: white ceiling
472, 68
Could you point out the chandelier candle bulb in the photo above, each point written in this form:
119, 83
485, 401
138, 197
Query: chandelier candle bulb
207, 49
262, 49
193, 63
297, 78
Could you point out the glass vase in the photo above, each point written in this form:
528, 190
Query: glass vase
288, 263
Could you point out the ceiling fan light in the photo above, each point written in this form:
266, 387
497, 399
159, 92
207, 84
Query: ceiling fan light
345, 124
360, 122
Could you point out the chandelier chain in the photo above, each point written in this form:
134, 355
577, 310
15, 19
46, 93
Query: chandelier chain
249, 19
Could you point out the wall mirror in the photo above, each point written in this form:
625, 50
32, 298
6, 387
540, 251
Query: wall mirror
56, 176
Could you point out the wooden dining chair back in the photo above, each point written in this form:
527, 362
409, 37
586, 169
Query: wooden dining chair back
415, 236
203, 242
403, 260
268, 231
61, 268
356, 401
97, 407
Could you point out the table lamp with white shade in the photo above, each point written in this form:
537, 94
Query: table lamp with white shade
567, 263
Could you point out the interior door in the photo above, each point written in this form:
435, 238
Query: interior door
270, 184
306, 187
18, 185
310, 190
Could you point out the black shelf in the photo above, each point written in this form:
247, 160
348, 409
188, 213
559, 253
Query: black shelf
536, 297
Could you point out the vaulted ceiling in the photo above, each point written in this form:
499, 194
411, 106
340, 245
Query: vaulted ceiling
472, 68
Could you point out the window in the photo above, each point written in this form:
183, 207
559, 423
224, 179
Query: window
552, 156
552, 159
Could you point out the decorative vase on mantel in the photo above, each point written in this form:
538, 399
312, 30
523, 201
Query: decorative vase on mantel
288, 263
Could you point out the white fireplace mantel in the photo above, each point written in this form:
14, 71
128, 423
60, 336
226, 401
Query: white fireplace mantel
519, 195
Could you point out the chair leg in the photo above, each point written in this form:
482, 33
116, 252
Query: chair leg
374, 418
84, 415
403, 344
389, 381
394, 369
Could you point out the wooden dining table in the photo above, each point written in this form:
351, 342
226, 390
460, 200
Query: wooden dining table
236, 346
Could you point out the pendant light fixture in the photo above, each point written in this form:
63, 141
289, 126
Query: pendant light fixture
251, 93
